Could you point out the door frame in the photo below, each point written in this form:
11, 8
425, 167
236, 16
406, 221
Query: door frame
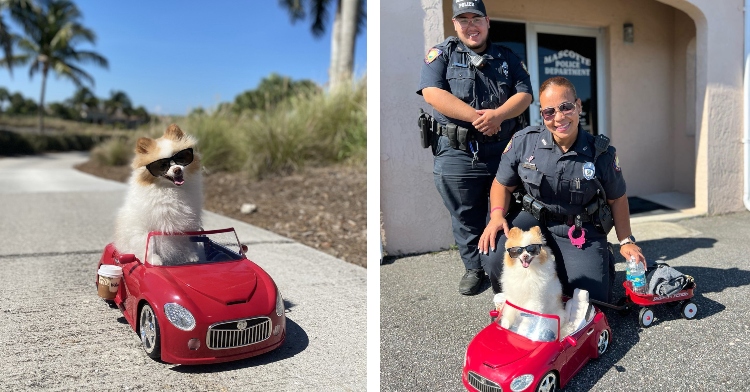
532, 52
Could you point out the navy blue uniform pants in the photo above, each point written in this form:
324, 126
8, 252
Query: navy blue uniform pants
465, 190
590, 268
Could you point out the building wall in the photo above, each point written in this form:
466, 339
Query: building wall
670, 135
413, 216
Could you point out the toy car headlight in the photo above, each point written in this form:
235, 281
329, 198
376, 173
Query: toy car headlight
279, 304
521, 382
179, 316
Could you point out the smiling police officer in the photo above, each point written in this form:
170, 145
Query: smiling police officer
573, 189
477, 90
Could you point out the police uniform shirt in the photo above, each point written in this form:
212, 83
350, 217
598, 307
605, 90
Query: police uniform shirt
447, 67
557, 179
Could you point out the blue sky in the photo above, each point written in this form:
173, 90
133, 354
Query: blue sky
174, 55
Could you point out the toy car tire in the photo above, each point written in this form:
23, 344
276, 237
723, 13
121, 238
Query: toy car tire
548, 383
688, 310
149, 331
603, 343
646, 317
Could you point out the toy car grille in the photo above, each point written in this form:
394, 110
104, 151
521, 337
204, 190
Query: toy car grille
482, 384
238, 333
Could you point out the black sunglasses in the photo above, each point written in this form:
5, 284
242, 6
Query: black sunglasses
565, 108
516, 251
160, 167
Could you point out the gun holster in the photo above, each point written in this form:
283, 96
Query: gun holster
425, 128
604, 222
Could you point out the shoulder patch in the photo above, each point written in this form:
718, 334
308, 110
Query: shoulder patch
616, 163
507, 148
432, 55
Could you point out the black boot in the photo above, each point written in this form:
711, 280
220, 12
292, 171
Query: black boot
471, 282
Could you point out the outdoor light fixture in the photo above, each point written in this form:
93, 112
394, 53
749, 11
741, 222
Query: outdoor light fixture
627, 33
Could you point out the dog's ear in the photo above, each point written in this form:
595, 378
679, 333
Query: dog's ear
515, 232
144, 145
537, 231
174, 132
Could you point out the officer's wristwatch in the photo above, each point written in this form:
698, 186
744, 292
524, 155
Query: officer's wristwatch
628, 240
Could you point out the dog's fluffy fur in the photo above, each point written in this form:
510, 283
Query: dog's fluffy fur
170, 203
530, 282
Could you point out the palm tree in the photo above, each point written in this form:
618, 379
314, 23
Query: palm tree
52, 32
6, 37
348, 22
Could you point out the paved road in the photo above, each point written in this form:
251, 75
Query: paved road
55, 333
426, 325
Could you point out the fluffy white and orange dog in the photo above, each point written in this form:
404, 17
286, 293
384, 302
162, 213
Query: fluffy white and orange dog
165, 192
529, 278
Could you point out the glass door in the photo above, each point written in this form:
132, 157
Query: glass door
573, 57
573, 52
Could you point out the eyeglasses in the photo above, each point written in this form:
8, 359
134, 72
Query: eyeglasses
516, 251
565, 108
161, 167
476, 21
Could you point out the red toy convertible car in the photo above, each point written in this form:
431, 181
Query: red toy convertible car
530, 355
205, 302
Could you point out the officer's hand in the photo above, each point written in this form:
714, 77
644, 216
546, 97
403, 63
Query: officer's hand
631, 249
488, 122
489, 236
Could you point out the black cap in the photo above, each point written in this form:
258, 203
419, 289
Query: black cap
473, 6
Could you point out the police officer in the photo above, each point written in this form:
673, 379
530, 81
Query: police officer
477, 89
562, 172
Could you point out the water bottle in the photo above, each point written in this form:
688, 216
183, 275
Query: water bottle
629, 266
637, 277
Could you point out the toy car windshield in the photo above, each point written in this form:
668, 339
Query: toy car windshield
531, 325
198, 247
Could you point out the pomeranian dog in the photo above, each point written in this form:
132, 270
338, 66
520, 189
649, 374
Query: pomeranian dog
165, 193
529, 278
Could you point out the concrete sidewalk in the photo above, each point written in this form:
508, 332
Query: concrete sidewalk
425, 351
57, 334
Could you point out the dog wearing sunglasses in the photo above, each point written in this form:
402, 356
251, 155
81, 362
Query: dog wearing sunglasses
529, 279
165, 193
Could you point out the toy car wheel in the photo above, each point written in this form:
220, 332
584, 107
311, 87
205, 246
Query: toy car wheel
603, 343
646, 317
688, 310
150, 335
548, 383
624, 302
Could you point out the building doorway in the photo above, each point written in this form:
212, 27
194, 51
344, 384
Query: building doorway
572, 52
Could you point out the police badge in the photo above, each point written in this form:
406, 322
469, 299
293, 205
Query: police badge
589, 171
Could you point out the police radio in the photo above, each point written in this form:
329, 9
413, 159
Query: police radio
477, 60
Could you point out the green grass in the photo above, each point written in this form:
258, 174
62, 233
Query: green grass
307, 130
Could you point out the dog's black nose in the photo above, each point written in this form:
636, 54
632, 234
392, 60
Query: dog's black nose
177, 170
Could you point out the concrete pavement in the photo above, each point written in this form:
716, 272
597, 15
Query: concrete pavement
55, 333
426, 325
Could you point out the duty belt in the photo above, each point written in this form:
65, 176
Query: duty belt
540, 210
567, 219
441, 129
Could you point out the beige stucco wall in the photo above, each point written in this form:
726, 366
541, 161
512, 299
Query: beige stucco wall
653, 110
413, 216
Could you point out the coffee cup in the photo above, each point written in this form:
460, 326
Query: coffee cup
109, 280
